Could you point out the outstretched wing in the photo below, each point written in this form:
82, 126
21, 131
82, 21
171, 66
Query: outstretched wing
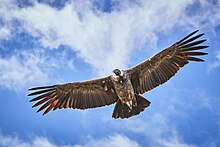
78, 95
165, 64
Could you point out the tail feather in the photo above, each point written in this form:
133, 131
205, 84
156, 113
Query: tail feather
123, 111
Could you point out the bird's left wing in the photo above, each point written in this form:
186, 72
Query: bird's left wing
164, 65
78, 95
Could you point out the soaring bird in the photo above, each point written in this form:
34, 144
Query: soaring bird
123, 87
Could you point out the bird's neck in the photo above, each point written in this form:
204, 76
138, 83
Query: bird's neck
122, 79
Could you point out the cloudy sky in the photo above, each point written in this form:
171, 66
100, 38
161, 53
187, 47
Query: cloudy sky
45, 42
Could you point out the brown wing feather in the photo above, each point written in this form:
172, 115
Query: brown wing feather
78, 95
164, 65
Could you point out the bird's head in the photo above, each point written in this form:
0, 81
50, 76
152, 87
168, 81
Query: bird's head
117, 73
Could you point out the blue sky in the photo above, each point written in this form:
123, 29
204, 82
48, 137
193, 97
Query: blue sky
49, 42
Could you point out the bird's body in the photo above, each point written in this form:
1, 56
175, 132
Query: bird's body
124, 90
123, 87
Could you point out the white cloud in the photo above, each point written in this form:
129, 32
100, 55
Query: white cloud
27, 68
203, 18
116, 140
10, 141
21, 69
173, 142
106, 40
215, 64
158, 130
5, 33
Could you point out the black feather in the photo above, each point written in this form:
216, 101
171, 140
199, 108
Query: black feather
187, 37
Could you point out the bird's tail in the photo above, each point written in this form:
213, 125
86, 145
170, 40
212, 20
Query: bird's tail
123, 111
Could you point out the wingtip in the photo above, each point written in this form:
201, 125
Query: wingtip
201, 60
42, 87
186, 37
44, 113
38, 110
30, 94
196, 30
35, 105
205, 46
200, 35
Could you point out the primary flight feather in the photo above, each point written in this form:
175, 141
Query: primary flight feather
123, 87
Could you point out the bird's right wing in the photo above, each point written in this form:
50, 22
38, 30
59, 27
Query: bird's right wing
164, 65
77, 95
